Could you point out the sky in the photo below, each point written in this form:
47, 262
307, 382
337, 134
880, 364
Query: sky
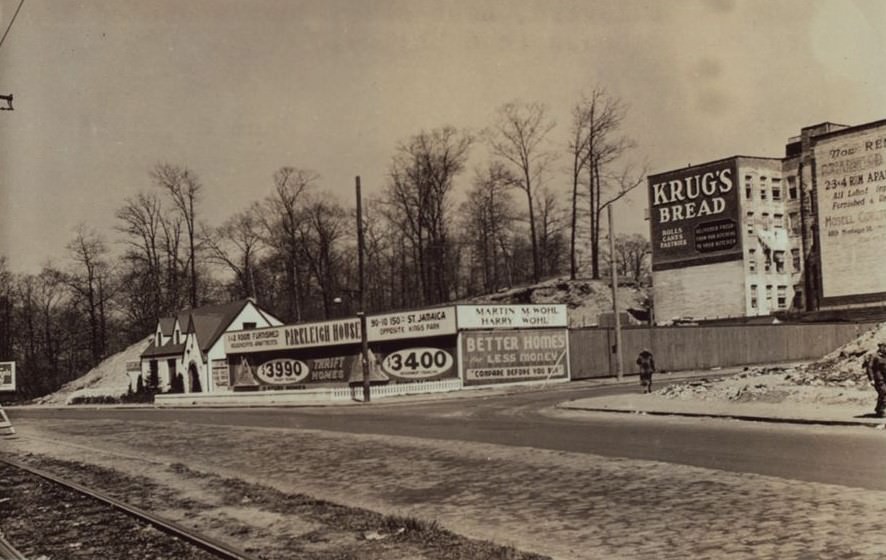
234, 89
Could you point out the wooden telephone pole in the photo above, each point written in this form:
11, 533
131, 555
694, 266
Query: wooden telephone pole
364, 342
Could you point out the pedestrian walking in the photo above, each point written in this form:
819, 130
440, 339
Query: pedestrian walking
647, 366
876, 371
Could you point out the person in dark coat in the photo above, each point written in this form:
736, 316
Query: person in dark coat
876, 370
647, 366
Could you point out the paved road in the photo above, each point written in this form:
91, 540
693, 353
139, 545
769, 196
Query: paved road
501, 469
834, 455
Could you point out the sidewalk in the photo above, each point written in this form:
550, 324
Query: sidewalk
785, 412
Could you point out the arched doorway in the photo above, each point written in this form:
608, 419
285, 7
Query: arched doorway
194, 377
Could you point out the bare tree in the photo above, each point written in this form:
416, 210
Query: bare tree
421, 181
602, 116
488, 215
90, 281
517, 138
632, 252
237, 244
141, 221
184, 188
551, 222
320, 232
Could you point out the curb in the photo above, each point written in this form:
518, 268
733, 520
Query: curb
744, 417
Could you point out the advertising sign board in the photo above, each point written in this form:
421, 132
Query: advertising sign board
7, 376
420, 363
281, 370
512, 316
308, 335
221, 376
851, 194
694, 216
411, 324
133, 366
509, 356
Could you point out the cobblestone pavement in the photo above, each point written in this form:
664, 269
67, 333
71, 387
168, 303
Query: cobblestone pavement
567, 505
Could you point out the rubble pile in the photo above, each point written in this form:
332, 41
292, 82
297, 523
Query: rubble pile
842, 367
838, 377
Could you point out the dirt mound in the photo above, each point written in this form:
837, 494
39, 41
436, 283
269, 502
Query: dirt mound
108, 378
836, 378
843, 366
585, 299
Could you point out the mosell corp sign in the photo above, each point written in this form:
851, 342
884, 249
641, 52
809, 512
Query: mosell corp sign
694, 214
850, 172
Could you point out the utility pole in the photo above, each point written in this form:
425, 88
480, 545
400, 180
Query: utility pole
364, 342
612, 267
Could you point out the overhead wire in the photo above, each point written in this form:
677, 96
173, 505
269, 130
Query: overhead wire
8, 27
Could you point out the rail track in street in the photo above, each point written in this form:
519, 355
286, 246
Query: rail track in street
44, 515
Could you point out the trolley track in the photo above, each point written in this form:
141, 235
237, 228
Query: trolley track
207, 547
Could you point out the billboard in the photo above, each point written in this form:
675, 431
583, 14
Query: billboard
420, 362
411, 324
510, 356
694, 215
308, 335
850, 173
512, 316
288, 370
7, 376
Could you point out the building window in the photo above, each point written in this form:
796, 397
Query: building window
778, 257
769, 296
764, 218
794, 219
776, 188
792, 188
795, 260
752, 260
798, 296
248, 326
767, 261
782, 297
763, 193
748, 191
750, 227
753, 296
778, 221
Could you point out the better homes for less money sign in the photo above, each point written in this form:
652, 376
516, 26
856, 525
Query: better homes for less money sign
509, 356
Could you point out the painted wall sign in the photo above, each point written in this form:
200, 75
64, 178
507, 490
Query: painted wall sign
851, 194
221, 376
411, 324
309, 335
525, 355
694, 216
7, 376
511, 316
419, 363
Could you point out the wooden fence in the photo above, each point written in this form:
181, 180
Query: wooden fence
704, 347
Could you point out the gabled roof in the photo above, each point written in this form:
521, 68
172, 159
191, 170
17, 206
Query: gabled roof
167, 326
154, 351
209, 322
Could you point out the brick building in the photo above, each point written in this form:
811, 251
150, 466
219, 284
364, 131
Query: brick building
748, 236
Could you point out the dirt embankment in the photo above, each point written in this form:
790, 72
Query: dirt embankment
837, 378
